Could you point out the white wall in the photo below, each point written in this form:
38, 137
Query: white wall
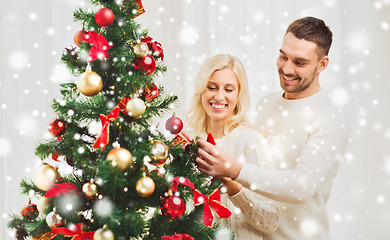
35, 32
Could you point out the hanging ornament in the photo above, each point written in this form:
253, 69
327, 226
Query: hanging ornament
30, 211
89, 83
90, 189
57, 127
46, 176
173, 206
160, 152
120, 157
104, 17
145, 64
154, 46
145, 186
174, 125
78, 37
100, 46
53, 219
135, 107
141, 49
46, 236
103, 234
43, 204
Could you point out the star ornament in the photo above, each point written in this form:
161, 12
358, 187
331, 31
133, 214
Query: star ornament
100, 45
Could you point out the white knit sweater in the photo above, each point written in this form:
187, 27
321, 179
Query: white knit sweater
252, 214
307, 138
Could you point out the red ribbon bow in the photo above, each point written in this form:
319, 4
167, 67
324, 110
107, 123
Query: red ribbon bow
181, 180
100, 46
102, 141
76, 232
61, 188
178, 237
213, 200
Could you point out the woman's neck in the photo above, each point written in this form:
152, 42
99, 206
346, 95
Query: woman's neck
217, 129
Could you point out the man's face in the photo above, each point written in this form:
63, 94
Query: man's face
299, 67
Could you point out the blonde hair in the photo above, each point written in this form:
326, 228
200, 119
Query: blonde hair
197, 117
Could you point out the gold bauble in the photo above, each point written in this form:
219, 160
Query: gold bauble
103, 234
46, 176
141, 49
43, 204
159, 151
89, 83
120, 158
145, 186
135, 107
90, 189
53, 219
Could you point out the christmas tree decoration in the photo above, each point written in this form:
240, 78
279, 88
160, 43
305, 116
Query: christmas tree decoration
210, 139
103, 138
78, 37
173, 206
100, 46
75, 231
213, 201
178, 237
141, 49
46, 176
135, 107
160, 152
90, 189
61, 188
104, 17
174, 125
146, 64
53, 219
103, 234
30, 211
150, 92
155, 46
57, 127
120, 158
145, 186
43, 204
46, 236
89, 83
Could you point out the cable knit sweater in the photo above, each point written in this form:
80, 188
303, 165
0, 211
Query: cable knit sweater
307, 138
252, 214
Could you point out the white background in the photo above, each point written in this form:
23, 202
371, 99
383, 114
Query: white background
35, 32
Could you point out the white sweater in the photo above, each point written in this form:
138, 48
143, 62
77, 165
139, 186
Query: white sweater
252, 214
307, 138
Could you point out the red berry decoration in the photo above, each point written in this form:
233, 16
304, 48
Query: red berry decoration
78, 37
173, 207
57, 127
174, 125
30, 211
104, 17
146, 64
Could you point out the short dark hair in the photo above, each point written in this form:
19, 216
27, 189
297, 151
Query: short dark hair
314, 30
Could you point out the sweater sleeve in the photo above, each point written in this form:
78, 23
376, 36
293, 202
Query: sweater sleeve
319, 158
259, 212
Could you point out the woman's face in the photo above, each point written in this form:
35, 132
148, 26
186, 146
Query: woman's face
219, 99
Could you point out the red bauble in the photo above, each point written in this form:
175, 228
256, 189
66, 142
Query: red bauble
30, 211
173, 207
174, 125
104, 17
57, 127
78, 37
146, 64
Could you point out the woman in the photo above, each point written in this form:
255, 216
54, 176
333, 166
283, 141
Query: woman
219, 106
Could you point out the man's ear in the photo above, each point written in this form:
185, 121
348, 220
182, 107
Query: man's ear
323, 63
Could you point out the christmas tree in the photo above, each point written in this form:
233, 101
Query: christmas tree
129, 181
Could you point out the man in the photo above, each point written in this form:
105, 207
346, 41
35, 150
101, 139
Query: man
306, 133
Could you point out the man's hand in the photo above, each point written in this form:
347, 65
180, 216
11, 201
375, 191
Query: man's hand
215, 162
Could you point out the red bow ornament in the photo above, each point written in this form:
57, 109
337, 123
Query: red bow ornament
155, 46
181, 180
76, 232
102, 141
61, 188
213, 201
100, 46
178, 237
